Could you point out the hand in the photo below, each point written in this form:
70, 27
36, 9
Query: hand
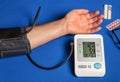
81, 21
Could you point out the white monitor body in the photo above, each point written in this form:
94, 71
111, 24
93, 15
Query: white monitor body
89, 55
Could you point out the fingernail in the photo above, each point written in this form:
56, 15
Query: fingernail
97, 12
100, 28
102, 15
101, 20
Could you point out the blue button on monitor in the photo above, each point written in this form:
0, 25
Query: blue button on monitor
97, 65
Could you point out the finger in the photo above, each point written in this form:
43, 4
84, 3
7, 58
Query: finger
92, 20
82, 11
101, 16
94, 29
97, 23
91, 15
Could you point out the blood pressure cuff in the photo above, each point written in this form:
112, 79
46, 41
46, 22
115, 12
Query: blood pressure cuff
13, 43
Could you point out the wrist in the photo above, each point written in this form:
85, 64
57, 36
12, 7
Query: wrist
63, 26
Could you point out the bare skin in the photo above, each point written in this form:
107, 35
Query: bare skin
77, 21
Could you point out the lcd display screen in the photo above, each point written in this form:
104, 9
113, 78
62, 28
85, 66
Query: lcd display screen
89, 49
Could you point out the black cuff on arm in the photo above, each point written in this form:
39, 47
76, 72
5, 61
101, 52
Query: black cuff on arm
12, 43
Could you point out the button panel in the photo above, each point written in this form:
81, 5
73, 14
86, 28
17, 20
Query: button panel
96, 66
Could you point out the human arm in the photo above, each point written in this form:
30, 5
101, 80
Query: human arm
75, 22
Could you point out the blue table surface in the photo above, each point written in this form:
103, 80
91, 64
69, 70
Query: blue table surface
20, 13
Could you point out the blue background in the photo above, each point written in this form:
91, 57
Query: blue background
20, 13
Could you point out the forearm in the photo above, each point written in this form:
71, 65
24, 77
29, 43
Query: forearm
43, 33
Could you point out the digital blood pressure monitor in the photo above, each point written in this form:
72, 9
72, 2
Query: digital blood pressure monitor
89, 55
